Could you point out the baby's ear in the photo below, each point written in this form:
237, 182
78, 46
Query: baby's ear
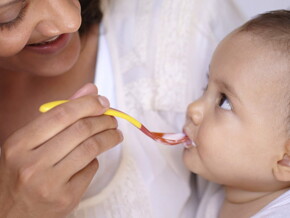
282, 169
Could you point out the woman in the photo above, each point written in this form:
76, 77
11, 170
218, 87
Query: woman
47, 160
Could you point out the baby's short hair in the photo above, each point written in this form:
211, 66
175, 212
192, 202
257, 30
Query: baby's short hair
274, 28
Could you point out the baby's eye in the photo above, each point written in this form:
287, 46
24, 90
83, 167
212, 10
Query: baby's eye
224, 102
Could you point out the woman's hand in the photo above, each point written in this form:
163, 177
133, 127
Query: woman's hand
46, 166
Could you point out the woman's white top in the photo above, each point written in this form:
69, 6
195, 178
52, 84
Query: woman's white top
158, 56
213, 197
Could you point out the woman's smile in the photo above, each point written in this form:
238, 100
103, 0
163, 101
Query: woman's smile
50, 46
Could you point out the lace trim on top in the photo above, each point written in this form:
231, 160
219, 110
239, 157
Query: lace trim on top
157, 68
124, 197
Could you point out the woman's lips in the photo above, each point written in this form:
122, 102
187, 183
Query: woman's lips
51, 46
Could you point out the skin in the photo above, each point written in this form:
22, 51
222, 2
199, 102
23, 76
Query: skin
239, 141
48, 160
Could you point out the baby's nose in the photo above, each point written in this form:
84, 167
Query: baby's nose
195, 111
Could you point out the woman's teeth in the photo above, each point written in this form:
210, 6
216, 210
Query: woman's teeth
45, 42
52, 39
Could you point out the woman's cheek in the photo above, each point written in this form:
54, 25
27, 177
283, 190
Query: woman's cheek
77, 4
11, 44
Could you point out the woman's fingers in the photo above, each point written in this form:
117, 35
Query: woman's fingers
78, 184
56, 120
85, 152
51, 161
59, 146
85, 90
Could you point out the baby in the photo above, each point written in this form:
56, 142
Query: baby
241, 124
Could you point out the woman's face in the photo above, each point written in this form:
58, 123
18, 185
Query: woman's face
39, 36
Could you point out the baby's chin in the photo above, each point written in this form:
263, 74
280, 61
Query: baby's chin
191, 159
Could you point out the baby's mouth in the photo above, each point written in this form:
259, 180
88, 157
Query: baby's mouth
189, 144
46, 42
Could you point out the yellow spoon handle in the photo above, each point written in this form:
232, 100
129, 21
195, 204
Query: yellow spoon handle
116, 113
47, 106
111, 112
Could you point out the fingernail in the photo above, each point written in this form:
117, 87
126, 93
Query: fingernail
83, 90
103, 101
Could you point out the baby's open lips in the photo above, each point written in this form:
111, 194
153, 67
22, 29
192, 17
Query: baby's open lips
189, 143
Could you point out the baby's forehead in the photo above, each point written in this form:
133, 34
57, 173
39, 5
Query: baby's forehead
273, 52
248, 44
244, 58
252, 40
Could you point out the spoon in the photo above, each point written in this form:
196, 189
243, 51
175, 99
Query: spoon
165, 138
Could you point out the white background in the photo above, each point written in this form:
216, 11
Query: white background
251, 8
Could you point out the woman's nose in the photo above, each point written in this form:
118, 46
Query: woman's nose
58, 17
195, 111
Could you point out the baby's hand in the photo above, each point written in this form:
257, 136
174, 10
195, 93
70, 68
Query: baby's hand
46, 166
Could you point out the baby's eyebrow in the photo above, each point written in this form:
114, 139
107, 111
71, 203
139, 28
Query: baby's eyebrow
229, 88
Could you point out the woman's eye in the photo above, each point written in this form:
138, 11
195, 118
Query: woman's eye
10, 13
224, 102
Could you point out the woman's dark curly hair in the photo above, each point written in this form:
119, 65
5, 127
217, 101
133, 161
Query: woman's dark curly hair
91, 14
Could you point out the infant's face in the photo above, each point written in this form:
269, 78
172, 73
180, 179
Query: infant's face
238, 124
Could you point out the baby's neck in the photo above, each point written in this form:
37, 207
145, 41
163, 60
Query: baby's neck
240, 203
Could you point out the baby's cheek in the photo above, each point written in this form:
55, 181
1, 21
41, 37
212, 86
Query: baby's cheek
210, 148
205, 141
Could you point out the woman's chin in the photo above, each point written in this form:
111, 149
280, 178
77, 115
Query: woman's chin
56, 68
